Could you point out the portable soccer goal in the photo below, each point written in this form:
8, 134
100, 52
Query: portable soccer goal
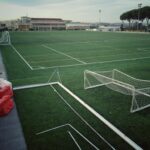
123, 83
5, 38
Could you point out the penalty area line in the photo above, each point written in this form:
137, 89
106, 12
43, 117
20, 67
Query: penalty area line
94, 63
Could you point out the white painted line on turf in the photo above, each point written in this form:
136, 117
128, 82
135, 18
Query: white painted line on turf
102, 138
84, 137
51, 129
38, 67
48, 61
100, 117
92, 63
75, 141
33, 86
106, 122
21, 57
54, 83
79, 133
52, 49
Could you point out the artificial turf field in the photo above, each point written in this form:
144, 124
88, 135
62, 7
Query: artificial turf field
34, 56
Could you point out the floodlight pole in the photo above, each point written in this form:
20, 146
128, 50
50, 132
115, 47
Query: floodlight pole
139, 7
100, 16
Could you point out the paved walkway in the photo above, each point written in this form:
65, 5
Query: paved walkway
11, 135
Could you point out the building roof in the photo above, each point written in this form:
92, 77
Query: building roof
58, 19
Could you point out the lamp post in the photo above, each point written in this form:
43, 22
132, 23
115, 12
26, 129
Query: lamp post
100, 16
139, 7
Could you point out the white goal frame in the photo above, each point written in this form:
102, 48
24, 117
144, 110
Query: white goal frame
123, 83
89, 108
5, 38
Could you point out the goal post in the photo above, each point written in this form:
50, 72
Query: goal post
5, 38
122, 83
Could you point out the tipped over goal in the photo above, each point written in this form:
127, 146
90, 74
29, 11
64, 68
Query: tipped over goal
123, 83
5, 38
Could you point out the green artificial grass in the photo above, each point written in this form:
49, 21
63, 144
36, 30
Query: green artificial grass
41, 108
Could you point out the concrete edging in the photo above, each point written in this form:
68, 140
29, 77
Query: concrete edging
11, 134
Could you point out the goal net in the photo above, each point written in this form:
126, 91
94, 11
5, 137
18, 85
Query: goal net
5, 38
123, 83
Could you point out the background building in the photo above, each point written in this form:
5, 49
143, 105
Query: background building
46, 24
77, 26
9, 25
109, 28
27, 23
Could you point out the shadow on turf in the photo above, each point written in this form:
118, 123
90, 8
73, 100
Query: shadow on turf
145, 112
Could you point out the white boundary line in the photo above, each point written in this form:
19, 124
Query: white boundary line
33, 86
21, 57
106, 122
75, 141
100, 117
73, 65
84, 137
53, 83
102, 138
92, 63
52, 49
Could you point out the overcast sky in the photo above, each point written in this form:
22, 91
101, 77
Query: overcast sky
76, 10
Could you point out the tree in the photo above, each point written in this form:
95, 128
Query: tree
145, 14
126, 16
137, 14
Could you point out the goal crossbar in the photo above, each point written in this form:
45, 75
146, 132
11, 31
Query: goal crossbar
122, 84
89, 108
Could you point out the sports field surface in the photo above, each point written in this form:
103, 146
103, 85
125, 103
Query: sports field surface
51, 118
